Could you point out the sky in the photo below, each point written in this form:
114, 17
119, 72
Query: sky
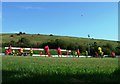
77, 19
60, 0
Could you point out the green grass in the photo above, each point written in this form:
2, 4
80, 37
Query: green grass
50, 70
34, 38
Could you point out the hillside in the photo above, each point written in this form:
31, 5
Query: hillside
65, 42
39, 38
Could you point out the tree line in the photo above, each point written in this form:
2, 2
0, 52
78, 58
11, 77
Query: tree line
69, 45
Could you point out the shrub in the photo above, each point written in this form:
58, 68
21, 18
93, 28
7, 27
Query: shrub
51, 35
11, 36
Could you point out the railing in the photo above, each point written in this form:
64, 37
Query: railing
16, 48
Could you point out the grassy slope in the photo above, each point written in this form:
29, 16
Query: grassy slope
59, 70
34, 38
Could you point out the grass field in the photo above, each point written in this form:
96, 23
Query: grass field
34, 38
48, 70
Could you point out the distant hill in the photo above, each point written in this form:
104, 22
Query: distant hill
65, 42
40, 38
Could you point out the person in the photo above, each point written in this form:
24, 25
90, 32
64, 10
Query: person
46, 50
113, 54
41, 53
21, 51
49, 54
99, 48
86, 53
9, 50
101, 54
78, 53
13, 52
73, 53
66, 53
59, 51
31, 52
6, 52
96, 54
18, 52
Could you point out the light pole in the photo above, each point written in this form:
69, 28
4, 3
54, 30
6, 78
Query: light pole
88, 44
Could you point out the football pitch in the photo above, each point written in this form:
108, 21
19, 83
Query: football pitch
57, 70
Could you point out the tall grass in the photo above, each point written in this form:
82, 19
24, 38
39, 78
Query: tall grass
50, 70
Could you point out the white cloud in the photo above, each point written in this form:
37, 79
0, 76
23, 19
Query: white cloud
30, 7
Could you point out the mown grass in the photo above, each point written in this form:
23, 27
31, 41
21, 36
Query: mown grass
50, 70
